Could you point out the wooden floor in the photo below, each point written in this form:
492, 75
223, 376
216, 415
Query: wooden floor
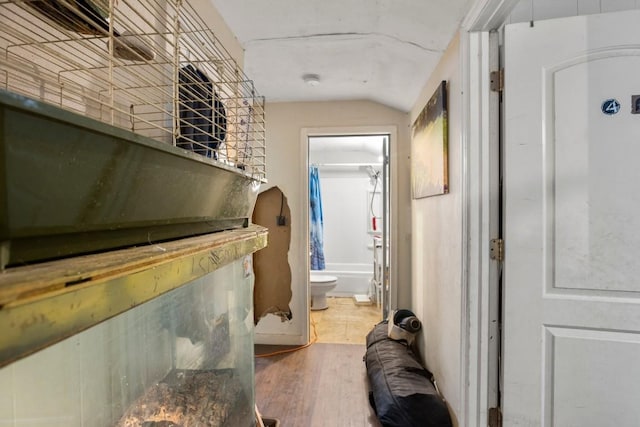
321, 385
324, 384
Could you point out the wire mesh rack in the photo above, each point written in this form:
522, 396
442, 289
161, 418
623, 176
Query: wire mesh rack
150, 66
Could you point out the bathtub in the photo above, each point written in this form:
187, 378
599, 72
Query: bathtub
352, 278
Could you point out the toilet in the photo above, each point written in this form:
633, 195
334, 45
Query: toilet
319, 285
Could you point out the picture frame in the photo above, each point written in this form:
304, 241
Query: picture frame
430, 147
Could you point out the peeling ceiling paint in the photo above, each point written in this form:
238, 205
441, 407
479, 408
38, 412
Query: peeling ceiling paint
378, 50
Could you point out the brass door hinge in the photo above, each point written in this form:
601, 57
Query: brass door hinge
497, 80
496, 249
495, 417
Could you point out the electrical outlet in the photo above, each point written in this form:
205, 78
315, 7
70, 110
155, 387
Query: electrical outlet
281, 220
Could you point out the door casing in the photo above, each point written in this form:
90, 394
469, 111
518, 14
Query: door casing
391, 131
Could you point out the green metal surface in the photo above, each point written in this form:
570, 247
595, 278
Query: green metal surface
70, 184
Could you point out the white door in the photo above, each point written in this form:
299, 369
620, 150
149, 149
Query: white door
571, 349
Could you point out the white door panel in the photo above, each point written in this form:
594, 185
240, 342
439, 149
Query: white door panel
572, 223
585, 380
594, 195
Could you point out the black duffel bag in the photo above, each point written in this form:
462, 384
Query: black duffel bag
401, 390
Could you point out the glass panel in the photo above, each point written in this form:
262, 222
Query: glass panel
185, 358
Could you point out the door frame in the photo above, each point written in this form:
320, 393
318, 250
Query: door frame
481, 224
392, 133
480, 361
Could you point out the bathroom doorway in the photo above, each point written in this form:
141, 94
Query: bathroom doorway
349, 234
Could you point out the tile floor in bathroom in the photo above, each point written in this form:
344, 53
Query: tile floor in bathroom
344, 322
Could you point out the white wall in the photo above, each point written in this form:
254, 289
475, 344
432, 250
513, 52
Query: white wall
437, 246
214, 20
287, 168
345, 203
348, 246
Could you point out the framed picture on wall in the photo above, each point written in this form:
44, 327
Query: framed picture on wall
429, 147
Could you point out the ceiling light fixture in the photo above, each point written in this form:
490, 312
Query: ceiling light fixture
311, 79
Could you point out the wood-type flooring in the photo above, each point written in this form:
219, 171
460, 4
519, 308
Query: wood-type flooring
324, 384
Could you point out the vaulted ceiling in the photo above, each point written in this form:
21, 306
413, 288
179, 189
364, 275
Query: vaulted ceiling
378, 50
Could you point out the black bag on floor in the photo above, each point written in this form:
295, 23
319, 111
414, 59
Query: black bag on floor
400, 388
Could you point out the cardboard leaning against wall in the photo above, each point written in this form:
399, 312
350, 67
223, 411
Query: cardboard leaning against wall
272, 292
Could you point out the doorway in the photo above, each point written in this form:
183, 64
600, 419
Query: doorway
348, 232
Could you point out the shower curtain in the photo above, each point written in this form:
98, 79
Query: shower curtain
315, 220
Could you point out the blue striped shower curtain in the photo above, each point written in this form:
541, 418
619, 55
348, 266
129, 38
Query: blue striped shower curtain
315, 220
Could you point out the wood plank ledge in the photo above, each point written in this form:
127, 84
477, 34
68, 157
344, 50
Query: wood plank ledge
44, 303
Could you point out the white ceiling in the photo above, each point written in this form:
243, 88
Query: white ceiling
378, 50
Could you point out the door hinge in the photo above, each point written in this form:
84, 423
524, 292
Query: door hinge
495, 417
497, 80
496, 249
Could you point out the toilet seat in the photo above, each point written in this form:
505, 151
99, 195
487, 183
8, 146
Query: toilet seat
322, 278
